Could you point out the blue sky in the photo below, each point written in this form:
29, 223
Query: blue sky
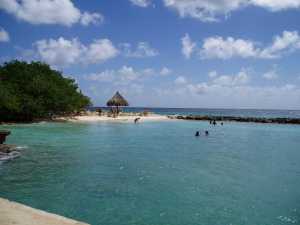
164, 53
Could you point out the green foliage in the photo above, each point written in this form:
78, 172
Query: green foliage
30, 91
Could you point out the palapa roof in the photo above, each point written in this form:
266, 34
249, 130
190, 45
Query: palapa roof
117, 100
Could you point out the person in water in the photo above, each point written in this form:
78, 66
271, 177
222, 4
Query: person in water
214, 123
137, 120
197, 134
206, 133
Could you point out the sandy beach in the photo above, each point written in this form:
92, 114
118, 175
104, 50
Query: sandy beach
122, 118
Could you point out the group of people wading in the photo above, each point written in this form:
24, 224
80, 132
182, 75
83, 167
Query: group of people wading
206, 133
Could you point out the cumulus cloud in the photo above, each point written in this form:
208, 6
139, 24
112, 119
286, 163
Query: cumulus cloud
91, 18
4, 36
271, 75
188, 46
124, 75
217, 81
225, 48
180, 80
241, 78
165, 71
213, 74
61, 12
212, 10
63, 52
289, 41
217, 47
230, 90
204, 10
277, 5
142, 50
141, 3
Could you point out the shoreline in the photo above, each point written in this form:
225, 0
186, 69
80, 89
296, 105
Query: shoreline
122, 118
130, 117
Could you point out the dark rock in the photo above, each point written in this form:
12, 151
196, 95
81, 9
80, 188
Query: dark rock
241, 119
7, 148
3, 134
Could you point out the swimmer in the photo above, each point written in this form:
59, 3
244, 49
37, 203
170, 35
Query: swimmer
137, 120
197, 134
206, 133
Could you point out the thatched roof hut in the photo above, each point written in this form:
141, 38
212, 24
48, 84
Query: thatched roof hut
117, 100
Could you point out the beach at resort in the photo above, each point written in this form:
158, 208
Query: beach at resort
120, 118
149, 112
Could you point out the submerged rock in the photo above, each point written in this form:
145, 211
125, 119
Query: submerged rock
8, 152
239, 119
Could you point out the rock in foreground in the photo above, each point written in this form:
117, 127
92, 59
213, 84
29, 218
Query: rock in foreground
8, 152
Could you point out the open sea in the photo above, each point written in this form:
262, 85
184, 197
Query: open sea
159, 173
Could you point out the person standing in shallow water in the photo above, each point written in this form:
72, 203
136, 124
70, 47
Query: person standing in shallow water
197, 134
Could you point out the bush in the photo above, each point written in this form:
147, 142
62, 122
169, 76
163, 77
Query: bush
30, 91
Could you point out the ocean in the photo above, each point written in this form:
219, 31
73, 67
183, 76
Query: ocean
266, 113
158, 173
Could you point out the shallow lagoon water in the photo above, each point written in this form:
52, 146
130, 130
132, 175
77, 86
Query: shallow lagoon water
157, 173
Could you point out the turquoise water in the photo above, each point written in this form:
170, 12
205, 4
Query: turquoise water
158, 173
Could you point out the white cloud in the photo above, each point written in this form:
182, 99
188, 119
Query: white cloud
213, 74
217, 81
188, 46
270, 75
4, 36
165, 71
63, 52
61, 12
142, 50
217, 47
126, 76
288, 42
180, 80
234, 91
123, 76
241, 78
204, 10
91, 18
99, 51
198, 89
212, 10
225, 48
277, 5
141, 3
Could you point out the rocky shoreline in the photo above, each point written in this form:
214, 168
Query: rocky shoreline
239, 119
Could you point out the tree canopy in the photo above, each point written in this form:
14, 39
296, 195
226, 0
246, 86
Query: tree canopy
30, 91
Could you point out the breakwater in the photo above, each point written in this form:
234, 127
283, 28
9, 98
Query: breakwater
239, 119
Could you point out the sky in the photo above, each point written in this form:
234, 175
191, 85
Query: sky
164, 53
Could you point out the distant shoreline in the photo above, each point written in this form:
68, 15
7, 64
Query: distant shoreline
130, 117
295, 121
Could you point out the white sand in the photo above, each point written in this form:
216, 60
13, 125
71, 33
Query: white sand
131, 119
17, 214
